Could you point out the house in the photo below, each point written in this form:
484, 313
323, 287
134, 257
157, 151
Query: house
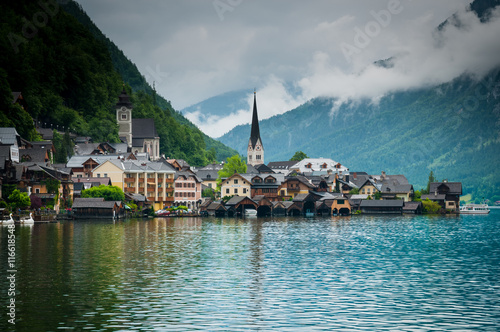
266, 185
95, 208
178, 164
355, 201
370, 187
372, 206
237, 205
447, 194
216, 209
154, 180
11, 139
237, 184
413, 208
187, 189
209, 175
295, 185
341, 206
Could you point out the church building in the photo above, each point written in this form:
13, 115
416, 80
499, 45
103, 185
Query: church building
139, 134
255, 151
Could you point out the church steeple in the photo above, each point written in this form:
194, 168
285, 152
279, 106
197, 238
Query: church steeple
255, 151
255, 133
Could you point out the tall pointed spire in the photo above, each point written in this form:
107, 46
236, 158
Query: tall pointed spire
255, 132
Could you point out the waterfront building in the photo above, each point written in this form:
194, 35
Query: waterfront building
154, 180
447, 194
187, 189
237, 184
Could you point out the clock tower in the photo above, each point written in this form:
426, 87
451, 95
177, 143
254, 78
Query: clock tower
255, 150
124, 117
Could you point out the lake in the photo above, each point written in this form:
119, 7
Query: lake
358, 273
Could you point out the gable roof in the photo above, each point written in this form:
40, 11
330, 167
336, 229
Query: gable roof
9, 136
455, 188
382, 203
255, 131
143, 128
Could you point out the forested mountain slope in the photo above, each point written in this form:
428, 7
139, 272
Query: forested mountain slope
70, 78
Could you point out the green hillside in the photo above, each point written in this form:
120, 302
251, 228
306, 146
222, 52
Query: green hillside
71, 77
452, 129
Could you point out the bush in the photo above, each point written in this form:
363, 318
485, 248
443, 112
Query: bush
431, 207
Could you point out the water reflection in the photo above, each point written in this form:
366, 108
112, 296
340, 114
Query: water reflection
363, 273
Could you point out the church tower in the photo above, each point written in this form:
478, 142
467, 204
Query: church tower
255, 151
124, 117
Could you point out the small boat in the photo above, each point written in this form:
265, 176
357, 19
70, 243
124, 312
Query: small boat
9, 221
250, 212
27, 221
474, 209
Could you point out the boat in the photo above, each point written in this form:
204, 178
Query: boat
250, 212
474, 209
9, 221
27, 221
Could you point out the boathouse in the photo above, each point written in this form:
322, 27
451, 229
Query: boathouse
382, 206
96, 208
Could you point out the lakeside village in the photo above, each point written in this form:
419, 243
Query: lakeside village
36, 190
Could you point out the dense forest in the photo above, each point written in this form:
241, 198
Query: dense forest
70, 76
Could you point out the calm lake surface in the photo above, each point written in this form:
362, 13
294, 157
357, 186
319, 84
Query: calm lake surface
359, 273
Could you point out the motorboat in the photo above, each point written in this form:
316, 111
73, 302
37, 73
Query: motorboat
474, 209
250, 212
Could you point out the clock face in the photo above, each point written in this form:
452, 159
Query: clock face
124, 109
258, 148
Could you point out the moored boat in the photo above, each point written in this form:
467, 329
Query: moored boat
474, 209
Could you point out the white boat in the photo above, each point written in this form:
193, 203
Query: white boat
474, 209
29, 220
250, 212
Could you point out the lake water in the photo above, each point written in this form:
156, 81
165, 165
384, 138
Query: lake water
359, 273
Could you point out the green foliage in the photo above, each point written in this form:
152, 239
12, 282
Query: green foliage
109, 193
19, 200
208, 192
299, 156
431, 179
233, 165
132, 205
7, 189
417, 196
377, 195
431, 207
70, 75
354, 191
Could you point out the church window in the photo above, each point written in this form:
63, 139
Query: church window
124, 116
258, 157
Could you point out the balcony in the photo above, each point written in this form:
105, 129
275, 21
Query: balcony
151, 180
129, 189
151, 190
129, 180
151, 199
169, 180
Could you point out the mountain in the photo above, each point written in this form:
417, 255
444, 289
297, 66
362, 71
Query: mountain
70, 75
220, 105
452, 129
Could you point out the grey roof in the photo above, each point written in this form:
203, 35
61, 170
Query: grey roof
237, 199
93, 203
143, 128
212, 167
36, 154
142, 166
432, 197
263, 168
104, 180
207, 174
382, 203
9, 136
455, 187
136, 197
252, 170
77, 161
281, 165
187, 174
46, 133
85, 148
411, 206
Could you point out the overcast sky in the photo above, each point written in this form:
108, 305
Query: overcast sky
196, 49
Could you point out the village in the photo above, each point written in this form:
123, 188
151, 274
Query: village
156, 185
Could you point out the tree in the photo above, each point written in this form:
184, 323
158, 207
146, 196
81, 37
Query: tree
377, 195
109, 193
298, 156
36, 202
208, 192
233, 165
354, 191
19, 200
431, 207
432, 178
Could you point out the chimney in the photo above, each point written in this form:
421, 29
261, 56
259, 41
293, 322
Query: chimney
382, 177
354, 176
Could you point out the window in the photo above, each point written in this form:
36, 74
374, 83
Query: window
124, 116
363, 191
98, 175
244, 190
79, 176
105, 175
227, 190
340, 201
235, 181
37, 190
209, 185
258, 157
235, 190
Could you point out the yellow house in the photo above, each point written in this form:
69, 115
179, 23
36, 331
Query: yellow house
341, 206
154, 180
237, 184
369, 188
